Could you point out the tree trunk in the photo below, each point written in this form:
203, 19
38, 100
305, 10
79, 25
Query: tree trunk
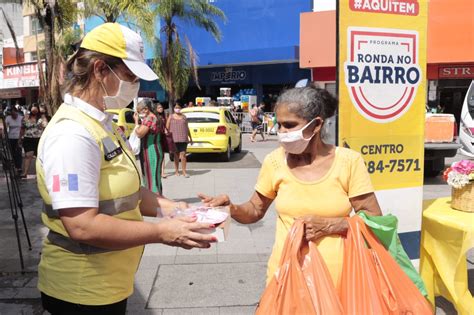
169, 61
48, 47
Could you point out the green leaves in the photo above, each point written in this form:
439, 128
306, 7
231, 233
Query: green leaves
139, 13
176, 62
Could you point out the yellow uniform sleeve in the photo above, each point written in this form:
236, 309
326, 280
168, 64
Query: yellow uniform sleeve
265, 180
359, 178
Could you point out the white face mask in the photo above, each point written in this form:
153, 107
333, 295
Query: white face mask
127, 91
293, 141
177, 110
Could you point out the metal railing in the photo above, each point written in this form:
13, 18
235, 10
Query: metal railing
245, 122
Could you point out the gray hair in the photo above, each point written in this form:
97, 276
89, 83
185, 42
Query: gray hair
145, 103
308, 103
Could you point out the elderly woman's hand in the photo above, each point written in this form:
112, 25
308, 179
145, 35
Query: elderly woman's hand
317, 226
209, 201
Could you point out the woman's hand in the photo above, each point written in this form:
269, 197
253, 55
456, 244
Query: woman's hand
317, 227
168, 209
209, 201
181, 205
136, 118
184, 232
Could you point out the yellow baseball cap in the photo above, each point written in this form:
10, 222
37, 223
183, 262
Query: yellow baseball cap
119, 41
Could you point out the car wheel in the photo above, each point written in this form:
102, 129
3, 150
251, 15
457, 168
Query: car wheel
226, 155
239, 148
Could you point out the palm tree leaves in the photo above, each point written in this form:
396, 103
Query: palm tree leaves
202, 14
140, 13
176, 62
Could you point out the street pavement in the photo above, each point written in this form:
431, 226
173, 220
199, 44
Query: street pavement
228, 278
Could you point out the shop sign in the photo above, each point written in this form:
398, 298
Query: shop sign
229, 75
21, 75
402, 7
456, 72
382, 95
6, 94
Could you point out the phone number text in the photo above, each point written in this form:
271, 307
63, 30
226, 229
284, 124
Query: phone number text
398, 165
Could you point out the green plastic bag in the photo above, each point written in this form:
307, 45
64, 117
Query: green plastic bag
385, 228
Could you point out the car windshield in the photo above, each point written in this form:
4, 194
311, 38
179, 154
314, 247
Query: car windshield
202, 117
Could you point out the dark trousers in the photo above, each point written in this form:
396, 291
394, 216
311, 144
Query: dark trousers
16, 153
60, 307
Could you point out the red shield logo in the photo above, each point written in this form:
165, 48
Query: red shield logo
382, 72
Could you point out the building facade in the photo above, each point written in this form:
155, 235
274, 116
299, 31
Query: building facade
259, 50
450, 51
19, 83
13, 11
258, 53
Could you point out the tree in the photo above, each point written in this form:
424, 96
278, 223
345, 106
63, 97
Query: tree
176, 61
54, 16
140, 13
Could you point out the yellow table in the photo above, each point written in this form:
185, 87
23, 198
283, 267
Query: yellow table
446, 236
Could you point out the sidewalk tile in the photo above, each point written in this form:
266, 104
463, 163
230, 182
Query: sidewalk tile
237, 310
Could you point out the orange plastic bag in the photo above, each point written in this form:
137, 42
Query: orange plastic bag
302, 284
372, 282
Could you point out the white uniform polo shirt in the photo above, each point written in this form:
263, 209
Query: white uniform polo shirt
71, 159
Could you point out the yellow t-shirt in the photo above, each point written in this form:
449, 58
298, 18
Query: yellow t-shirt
328, 196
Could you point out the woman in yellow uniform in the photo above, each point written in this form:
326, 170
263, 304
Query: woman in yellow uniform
308, 179
90, 184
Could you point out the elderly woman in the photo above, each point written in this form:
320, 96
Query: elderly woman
308, 179
150, 131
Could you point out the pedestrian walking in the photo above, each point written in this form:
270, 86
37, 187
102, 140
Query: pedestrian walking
150, 131
31, 130
88, 179
308, 180
256, 118
14, 122
177, 124
161, 116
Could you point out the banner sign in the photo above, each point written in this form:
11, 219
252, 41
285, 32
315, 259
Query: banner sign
21, 75
456, 72
381, 81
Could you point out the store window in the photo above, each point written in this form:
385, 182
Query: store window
36, 27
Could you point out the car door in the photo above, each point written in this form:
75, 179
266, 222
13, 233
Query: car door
233, 128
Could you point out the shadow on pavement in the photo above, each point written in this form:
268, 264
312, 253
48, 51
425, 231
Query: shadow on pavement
18, 288
207, 161
212, 157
